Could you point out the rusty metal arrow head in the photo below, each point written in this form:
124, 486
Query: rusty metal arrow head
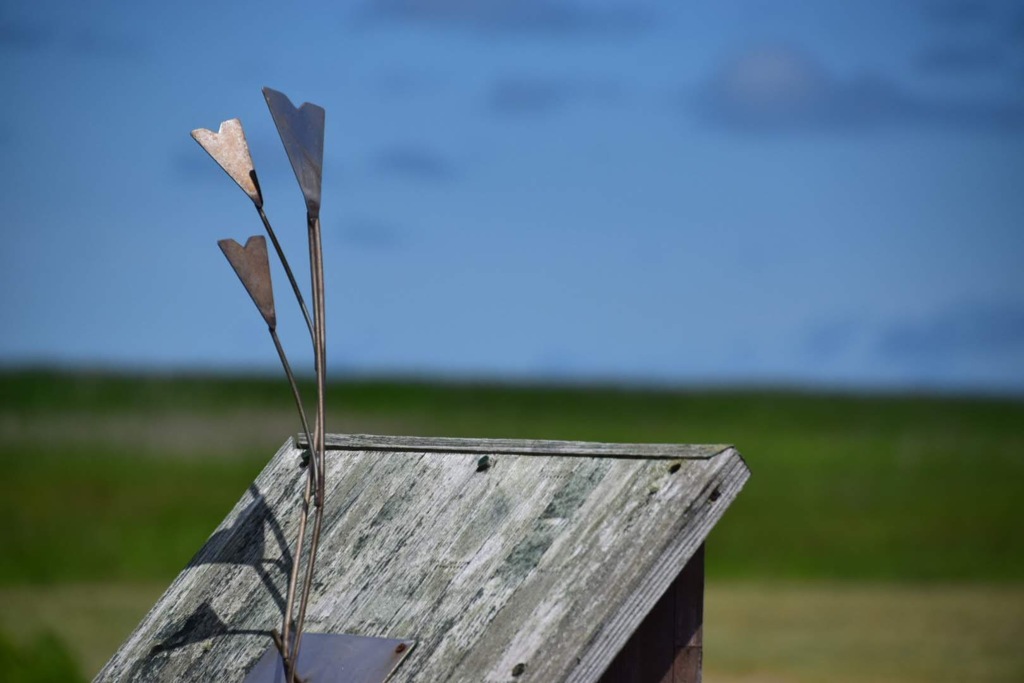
229, 149
252, 266
302, 132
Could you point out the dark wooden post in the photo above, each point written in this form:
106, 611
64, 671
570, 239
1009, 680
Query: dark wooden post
668, 645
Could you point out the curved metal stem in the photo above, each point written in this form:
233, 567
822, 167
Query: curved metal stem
288, 272
291, 654
291, 660
317, 273
314, 465
279, 643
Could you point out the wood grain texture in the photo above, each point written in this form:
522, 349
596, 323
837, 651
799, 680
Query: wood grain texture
535, 569
431, 444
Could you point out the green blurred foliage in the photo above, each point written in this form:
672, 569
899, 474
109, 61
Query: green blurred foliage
900, 488
44, 659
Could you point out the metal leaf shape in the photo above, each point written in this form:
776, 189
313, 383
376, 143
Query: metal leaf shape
302, 132
229, 149
252, 266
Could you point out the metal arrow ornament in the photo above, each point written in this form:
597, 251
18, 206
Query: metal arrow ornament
228, 147
252, 266
302, 133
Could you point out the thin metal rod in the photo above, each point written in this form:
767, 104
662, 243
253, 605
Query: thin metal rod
290, 662
288, 272
321, 329
291, 654
279, 642
317, 273
314, 465
307, 583
311, 476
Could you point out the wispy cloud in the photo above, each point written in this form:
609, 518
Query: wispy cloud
993, 21
554, 17
828, 340
1015, 28
524, 95
958, 13
16, 35
962, 59
83, 41
413, 162
973, 37
187, 166
370, 234
952, 333
402, 83
90, 43
780, 89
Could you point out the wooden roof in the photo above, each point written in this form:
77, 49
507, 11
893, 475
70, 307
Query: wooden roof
550, 557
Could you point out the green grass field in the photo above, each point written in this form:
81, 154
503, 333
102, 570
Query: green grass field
864, 514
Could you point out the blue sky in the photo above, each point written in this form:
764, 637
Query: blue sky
826, 193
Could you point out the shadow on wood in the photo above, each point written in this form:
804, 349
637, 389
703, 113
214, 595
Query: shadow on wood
243, 543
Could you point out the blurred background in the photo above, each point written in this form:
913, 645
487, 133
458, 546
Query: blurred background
792, 226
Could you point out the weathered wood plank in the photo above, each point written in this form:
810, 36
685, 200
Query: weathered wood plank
430, 444
536, 569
